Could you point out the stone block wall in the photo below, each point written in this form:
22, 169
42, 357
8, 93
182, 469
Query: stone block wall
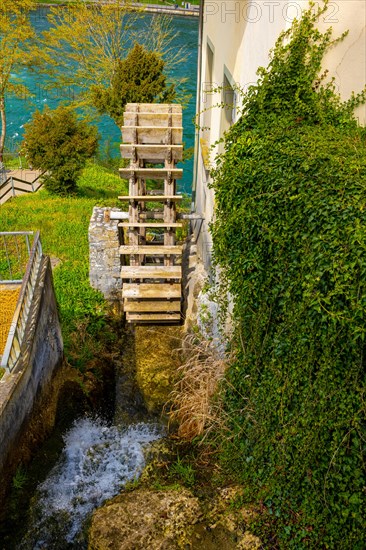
104, 257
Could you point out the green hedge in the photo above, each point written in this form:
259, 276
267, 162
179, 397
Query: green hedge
290, 238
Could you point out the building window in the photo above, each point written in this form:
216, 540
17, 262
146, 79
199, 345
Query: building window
228, 100
207, 100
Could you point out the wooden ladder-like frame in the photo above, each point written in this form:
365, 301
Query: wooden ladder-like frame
151, 290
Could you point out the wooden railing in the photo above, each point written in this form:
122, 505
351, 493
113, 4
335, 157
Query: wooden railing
14, 186
17, 330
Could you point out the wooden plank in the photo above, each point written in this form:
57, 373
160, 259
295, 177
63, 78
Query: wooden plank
151, 215
149, 224
151, 290
151, 198
5, 188
151, 272
149, 317
150, 173
150, 250
22, 186
152, 153
152, 135
153, 108
37, 184
6, 196
140, 306
153, 119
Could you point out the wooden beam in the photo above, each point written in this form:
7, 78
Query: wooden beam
157, 317
139, 108
150, 250
153, 119
152, 135
151, 224
143, 306
152, 153
151, 198
151, 290
150, 173
151, 272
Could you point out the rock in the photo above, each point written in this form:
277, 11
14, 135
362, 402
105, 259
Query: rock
146, 519
249, 542
156, 363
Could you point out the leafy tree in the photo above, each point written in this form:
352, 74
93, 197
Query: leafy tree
95, 38
139, 78
289, 237
57, 142
17, 49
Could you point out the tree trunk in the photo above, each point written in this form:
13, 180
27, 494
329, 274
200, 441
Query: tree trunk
3, 127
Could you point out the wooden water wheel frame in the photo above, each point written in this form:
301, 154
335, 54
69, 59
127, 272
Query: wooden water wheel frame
151, 289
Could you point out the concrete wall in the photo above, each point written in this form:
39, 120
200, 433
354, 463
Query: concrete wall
236, 39
42, 353
104, 257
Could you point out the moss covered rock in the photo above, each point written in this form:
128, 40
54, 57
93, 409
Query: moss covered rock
156, 363
171, 519
145, 519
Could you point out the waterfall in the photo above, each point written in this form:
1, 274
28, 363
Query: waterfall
97, 461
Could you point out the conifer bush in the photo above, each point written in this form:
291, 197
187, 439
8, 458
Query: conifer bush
139, 78
60, 144
290, 240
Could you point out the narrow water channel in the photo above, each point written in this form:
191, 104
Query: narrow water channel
89, 459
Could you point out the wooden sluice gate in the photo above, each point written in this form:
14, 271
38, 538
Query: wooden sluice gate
151, 289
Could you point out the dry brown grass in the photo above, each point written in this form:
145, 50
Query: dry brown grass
8, 301
195, 404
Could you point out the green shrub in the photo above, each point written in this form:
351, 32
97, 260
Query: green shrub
290, 240
58, 143
139, 78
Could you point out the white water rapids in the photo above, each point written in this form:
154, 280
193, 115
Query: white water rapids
96, 463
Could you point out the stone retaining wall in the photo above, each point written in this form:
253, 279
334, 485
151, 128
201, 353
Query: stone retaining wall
42, 353
104, 257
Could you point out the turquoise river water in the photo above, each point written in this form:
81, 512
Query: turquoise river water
20, 110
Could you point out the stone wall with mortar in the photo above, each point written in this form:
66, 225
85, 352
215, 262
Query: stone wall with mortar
104, 257
41, 354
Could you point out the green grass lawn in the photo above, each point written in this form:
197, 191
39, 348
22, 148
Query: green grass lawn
63, 224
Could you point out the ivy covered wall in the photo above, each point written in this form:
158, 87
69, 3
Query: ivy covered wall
290, 240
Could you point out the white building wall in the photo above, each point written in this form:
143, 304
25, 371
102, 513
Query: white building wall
240, 34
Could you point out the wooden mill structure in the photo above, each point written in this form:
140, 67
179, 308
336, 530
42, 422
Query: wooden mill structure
151, 289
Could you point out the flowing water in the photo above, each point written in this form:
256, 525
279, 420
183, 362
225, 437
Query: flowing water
20, 110
97, 461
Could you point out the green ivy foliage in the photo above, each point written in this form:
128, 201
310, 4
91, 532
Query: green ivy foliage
290, 240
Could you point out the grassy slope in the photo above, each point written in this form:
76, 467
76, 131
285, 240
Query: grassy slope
63, 224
